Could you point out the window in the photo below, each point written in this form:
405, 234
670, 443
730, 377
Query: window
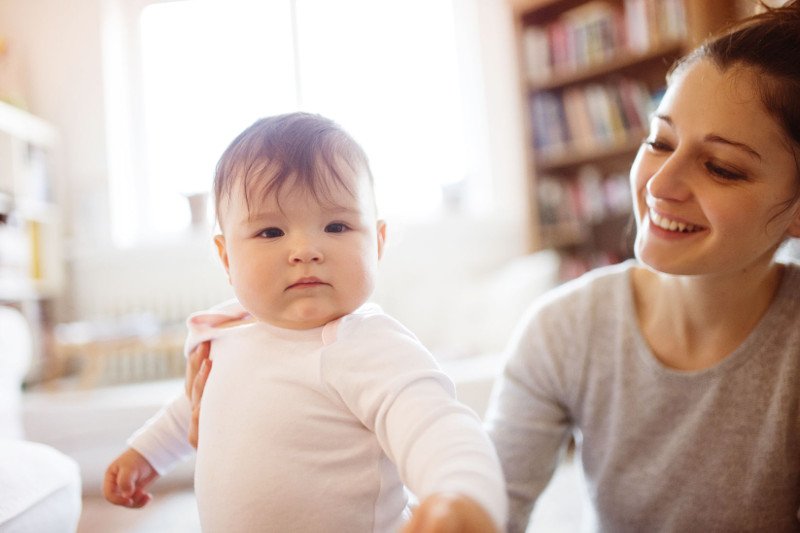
202, 70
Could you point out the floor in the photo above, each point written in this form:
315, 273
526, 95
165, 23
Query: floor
174, 511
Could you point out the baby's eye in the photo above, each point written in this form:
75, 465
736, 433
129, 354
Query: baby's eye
725, 173
336, 227
271, 233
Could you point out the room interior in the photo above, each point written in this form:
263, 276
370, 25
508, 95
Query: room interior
106, 332
98, 319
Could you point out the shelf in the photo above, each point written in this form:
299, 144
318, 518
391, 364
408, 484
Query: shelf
624, 61
25, 126
571, 157
31, 264
590, 74
562, 235
15, 290
531, 5
539, 10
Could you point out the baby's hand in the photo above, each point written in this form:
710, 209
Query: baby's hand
126, 479
449, 513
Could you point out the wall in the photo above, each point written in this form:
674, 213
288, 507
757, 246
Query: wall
60, 43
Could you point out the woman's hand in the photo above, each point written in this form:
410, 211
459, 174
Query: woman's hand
449, 513
198, 367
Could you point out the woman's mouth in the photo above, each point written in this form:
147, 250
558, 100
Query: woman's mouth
672, 225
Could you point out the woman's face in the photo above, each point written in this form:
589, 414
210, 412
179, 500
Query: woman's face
712, 179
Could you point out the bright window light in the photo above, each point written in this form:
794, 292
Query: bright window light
209, 69
387, 71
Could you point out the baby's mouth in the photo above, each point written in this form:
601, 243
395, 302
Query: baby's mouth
303, 283
672, 225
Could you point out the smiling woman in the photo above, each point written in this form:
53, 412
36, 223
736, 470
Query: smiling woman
710, 157
219, 66
677, 372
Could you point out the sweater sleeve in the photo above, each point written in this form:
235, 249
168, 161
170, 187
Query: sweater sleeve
527, 418
392, 384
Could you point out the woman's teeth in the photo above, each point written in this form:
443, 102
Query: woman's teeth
671, 225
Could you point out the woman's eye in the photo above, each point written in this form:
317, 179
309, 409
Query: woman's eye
657, 145
725, 173
336, 227
271, 233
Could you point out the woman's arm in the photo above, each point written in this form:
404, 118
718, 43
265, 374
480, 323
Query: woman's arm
198, 366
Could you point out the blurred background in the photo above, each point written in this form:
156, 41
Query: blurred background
124, 107
500, 133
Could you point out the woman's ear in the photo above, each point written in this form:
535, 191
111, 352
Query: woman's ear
381, 237
222, 251
794, 225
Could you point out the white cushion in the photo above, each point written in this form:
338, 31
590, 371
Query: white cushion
40, 488
15, 359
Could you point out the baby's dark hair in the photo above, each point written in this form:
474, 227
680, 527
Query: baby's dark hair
769, 43
301, 150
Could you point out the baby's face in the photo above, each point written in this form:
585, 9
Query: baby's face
298, 263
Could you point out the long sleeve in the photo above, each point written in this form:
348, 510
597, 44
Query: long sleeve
526, 420
393, 386
439, 446
164, 439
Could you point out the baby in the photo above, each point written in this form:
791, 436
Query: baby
320, 409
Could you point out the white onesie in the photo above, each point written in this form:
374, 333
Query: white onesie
319, 430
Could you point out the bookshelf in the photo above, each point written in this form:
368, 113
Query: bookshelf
591, 72
30, 232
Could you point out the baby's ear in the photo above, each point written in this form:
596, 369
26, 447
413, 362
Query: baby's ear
222, 251
381, 237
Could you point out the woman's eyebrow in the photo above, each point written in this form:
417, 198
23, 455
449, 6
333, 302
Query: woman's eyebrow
665, 118
711, 137
714, 138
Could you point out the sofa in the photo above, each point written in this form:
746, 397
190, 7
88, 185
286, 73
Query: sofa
40, 486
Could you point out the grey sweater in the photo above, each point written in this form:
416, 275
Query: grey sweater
662, 450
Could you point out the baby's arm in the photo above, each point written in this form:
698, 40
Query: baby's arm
443, 455
153, 450
126, 479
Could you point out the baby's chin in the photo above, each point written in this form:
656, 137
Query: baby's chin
306, 320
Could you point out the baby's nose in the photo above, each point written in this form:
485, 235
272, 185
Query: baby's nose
306, 252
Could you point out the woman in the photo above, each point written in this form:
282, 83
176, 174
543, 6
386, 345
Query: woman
679, 371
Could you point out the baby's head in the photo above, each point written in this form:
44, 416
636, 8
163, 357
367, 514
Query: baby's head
300, 239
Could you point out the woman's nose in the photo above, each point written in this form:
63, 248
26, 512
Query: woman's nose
670, 180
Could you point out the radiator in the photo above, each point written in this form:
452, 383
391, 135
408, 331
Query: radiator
124, 314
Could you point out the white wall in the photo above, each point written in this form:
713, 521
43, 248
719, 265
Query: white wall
60, 45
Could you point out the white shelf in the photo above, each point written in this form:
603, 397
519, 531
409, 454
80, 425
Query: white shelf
26, 146
25, 126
